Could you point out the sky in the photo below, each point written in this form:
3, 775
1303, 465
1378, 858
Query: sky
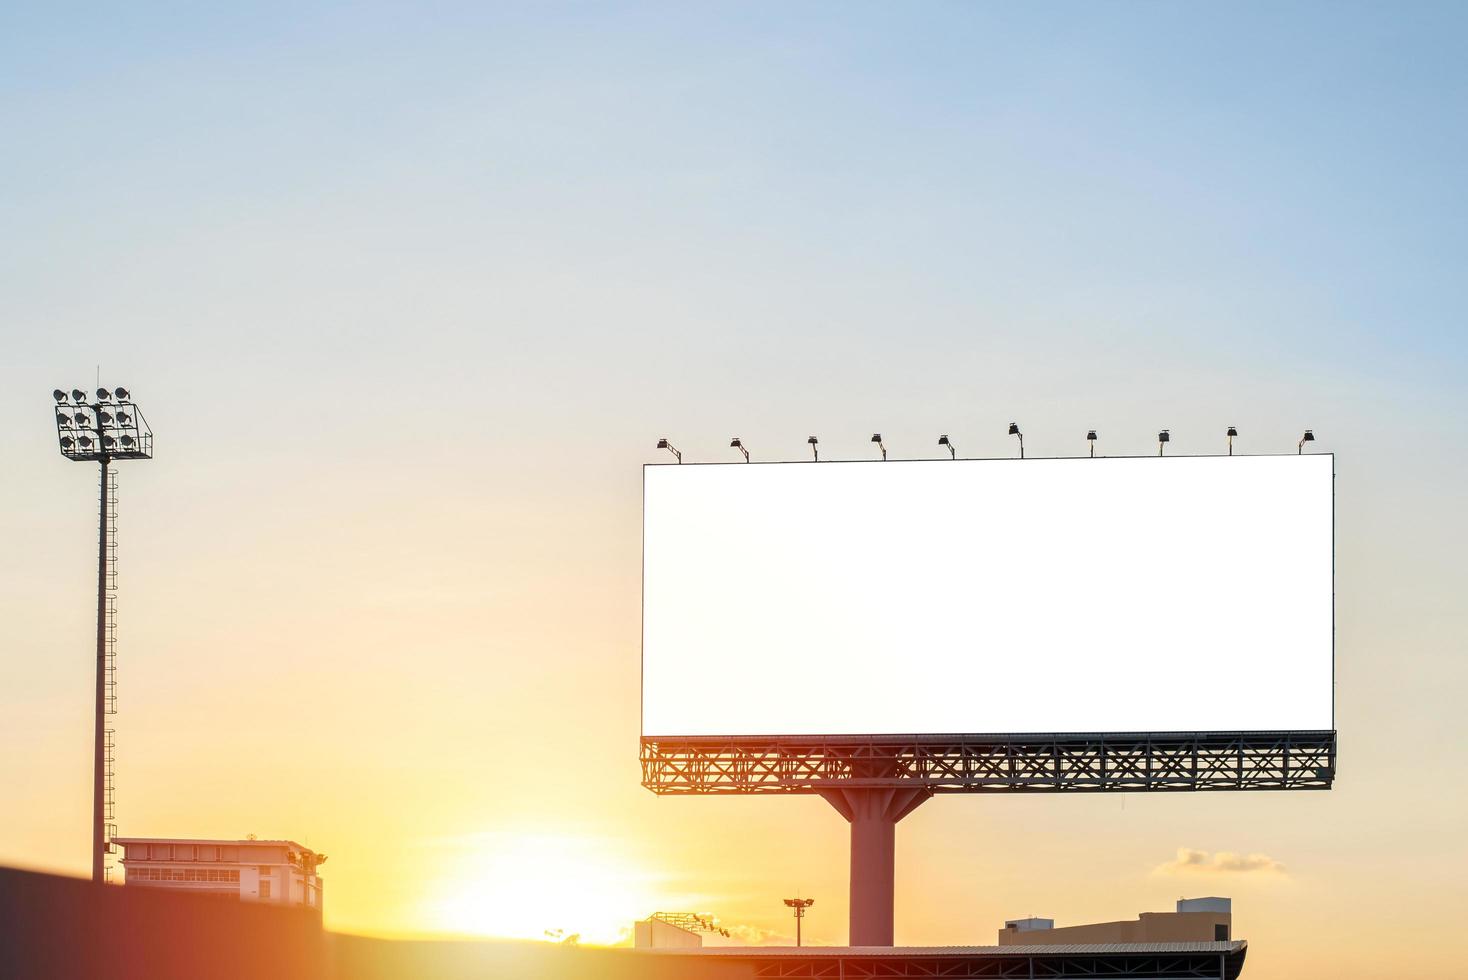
409, 292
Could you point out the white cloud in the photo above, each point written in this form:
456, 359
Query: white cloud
1193, 862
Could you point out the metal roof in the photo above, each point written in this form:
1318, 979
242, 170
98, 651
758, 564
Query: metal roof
1067, 949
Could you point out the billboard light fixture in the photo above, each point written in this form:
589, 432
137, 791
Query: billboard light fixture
815, 451
665, 444
1163, 438
943, 441
737, 443
877, 438
1309, 436
1091, 441
1231, 433
59, 395
1014, 431
78, 396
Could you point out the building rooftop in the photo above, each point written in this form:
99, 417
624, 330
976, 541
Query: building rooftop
1068, 949
208, 841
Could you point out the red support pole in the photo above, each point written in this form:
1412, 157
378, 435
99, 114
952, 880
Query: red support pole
873, 815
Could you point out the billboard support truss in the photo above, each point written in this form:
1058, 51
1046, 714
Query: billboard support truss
1147, 762
874, 781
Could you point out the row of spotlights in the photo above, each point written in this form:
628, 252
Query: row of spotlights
82, 418
86, 442
79, 396
1163, 438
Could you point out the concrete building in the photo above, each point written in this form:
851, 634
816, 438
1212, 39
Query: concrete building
1197, 920
278, 871
655, 933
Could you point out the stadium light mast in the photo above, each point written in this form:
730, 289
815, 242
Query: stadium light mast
110, 428
799, 905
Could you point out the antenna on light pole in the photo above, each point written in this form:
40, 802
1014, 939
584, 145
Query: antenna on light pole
110, 428
799, 905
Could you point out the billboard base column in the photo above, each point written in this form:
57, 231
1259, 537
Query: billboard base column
873, 815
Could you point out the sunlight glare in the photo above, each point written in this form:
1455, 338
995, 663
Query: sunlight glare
528, 886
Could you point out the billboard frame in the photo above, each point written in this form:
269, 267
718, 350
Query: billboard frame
874, 781
654, 748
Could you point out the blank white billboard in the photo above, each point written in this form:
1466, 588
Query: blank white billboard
1038, 596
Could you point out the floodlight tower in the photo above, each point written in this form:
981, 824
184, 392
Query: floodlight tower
110, 428
799, 905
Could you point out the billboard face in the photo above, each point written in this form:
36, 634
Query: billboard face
1038, 596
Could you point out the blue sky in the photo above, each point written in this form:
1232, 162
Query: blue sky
1279, 178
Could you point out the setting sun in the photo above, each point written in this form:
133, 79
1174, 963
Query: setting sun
543, 886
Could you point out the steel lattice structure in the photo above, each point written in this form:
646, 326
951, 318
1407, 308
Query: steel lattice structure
1151, 966
1146, 762
1139, 961
691, 922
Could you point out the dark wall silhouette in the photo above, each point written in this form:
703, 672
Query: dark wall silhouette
52, 926
57, 927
